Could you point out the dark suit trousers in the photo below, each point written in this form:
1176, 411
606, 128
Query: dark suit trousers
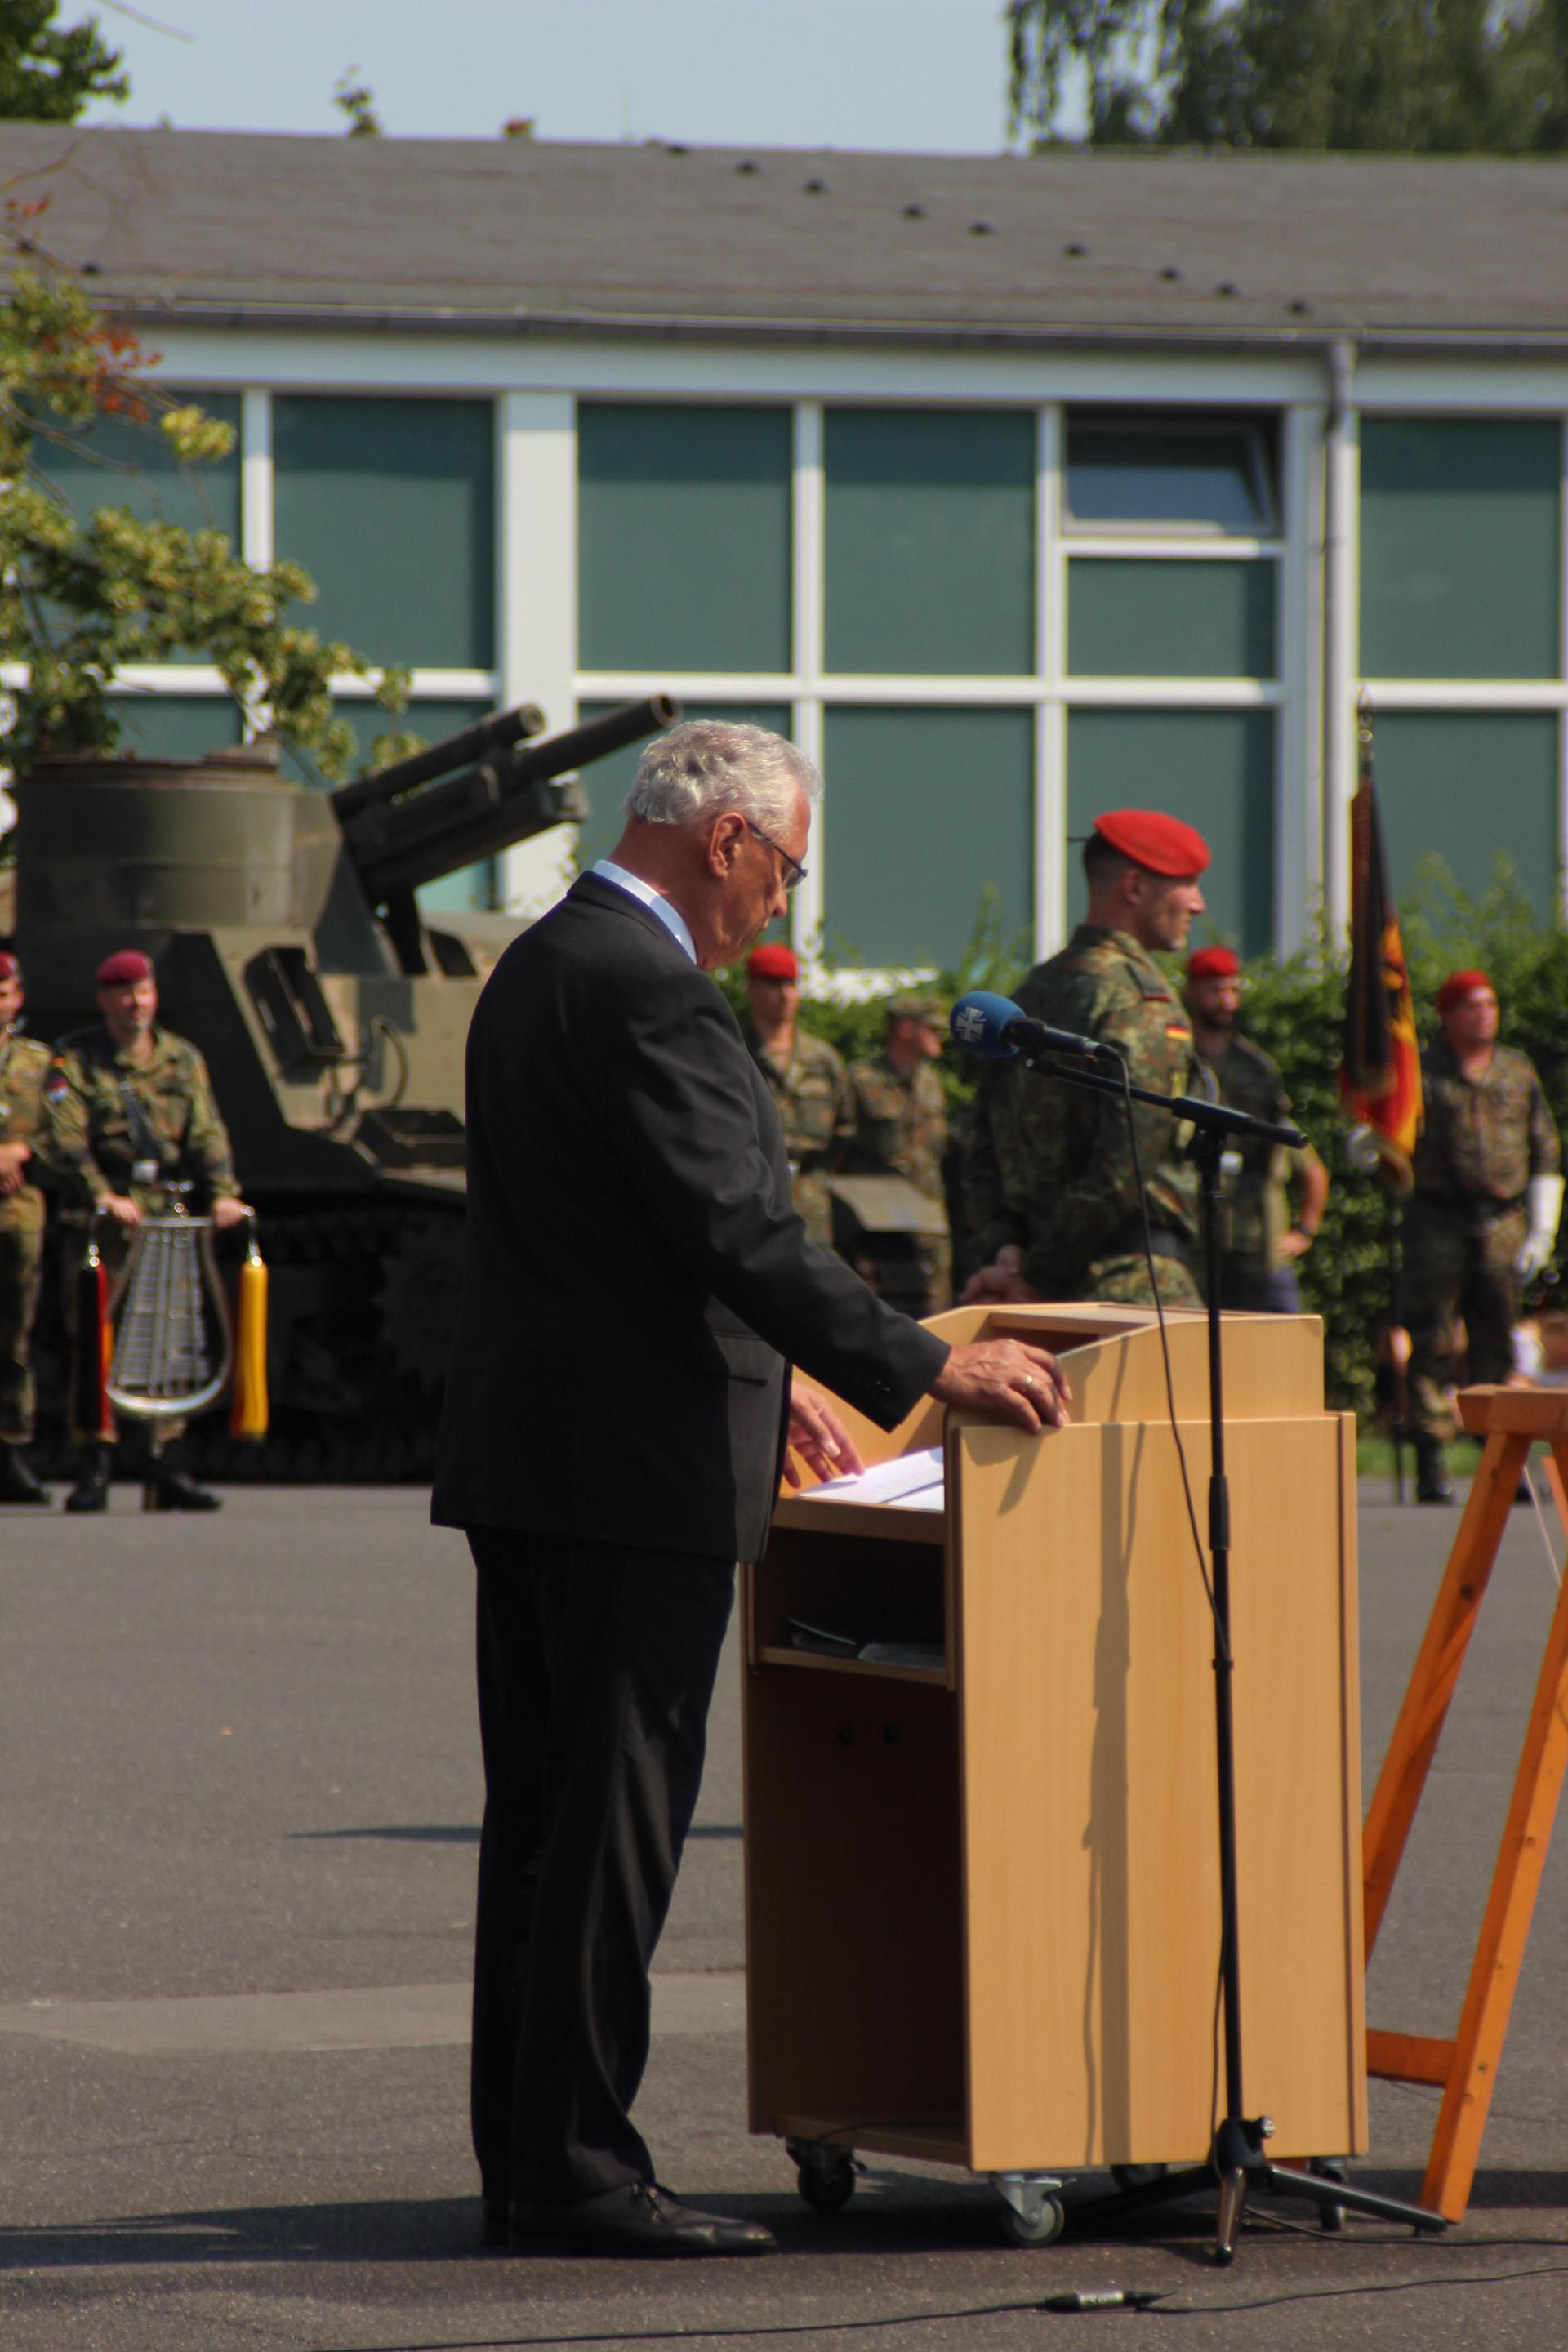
596, 1666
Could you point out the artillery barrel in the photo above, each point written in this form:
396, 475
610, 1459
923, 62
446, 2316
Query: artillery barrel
494, 804
494, 734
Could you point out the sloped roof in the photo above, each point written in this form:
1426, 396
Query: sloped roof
509, 235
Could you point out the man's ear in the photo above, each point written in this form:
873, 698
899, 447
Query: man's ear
725, 836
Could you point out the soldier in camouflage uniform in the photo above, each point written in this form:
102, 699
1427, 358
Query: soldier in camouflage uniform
1051, 1190
1483, 1217
807, 1080
900, 1122
132, 1114
1262, 1242
24, 1066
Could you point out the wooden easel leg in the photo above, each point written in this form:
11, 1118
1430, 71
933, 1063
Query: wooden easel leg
1435, 1672
1455, 2144
1558, 1489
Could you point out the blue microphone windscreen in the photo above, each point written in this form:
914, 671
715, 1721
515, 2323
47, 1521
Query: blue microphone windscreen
979, 1023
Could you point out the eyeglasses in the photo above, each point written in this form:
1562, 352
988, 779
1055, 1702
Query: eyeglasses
795, 872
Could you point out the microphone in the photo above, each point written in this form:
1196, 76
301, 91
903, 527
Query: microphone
995, 1028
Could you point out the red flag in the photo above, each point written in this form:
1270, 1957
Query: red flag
1379, 1078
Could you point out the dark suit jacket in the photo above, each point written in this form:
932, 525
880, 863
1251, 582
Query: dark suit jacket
636, 1274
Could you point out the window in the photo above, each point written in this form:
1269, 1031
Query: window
931, 541
389, 505
1166, 473
1161, 617
1472, 785
924, 810
684, 537
176, 725
1461, 547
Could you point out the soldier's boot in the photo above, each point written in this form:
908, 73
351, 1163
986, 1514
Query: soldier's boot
170, 1488
90, 1492
1431, 1473
18, 1483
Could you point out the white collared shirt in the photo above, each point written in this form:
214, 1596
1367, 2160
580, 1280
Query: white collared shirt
672, 918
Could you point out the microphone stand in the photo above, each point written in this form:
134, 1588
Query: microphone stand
1236, 2163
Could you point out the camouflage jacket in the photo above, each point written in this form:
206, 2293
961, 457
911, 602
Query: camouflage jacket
1484, 1138
23, 1067
1050, 1166
94, 1136
900, 1124
1258, 1213
811, 1094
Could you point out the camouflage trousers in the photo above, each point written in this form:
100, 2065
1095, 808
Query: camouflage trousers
1457, 1269
815, 1203
1123, 1281
21, 1277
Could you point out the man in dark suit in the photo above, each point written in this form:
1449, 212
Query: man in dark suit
639, 1284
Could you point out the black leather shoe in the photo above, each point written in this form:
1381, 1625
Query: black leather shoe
177, 1491
90, 1492
18, 1483
641, 2218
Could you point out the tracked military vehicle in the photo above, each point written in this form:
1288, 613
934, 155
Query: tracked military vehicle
289, 945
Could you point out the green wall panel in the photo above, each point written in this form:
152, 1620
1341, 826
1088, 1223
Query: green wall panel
931, 541
684, 537
1214, 769
390, 507
1461, 548
176, 725
608, 782
1471, 785
1128, 618
122, 464
925, 809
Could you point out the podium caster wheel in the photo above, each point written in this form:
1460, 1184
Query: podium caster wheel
1131, 2177
824, 2175
1330, 2217
1042, 2227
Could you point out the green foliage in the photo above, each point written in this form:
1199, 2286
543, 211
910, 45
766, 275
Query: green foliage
83, 596
356, 100
49, 71
1411, 77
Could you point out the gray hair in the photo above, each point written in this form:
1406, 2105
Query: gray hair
710, 765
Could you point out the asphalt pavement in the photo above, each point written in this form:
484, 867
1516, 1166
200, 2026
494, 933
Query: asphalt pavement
239, 1836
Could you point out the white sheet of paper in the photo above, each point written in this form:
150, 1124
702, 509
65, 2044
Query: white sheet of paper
914, 1480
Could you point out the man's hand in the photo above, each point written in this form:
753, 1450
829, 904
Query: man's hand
818, 1436
228, 1213
1001, 1282
122, 1208
14, 1158
1294, 1245
1022, 1384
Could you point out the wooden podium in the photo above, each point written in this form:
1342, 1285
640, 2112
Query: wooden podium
983, 1898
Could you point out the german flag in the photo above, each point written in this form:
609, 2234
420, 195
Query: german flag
1380, 1077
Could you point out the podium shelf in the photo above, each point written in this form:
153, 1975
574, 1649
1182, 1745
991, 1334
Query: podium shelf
940, 2140
822, 1662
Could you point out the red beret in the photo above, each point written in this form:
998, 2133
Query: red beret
116, 970
9, 968
772, 962
1214, 963
1461, 985
1162, 843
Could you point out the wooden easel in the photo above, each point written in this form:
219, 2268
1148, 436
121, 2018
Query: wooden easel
1465, 2069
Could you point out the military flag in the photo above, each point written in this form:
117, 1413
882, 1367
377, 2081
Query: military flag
1380, 1077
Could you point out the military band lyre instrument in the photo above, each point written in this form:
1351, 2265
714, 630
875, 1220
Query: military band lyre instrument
174, 1334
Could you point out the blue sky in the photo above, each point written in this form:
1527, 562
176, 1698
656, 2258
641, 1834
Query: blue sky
918, 74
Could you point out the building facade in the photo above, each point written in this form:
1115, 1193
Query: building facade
1014, 489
